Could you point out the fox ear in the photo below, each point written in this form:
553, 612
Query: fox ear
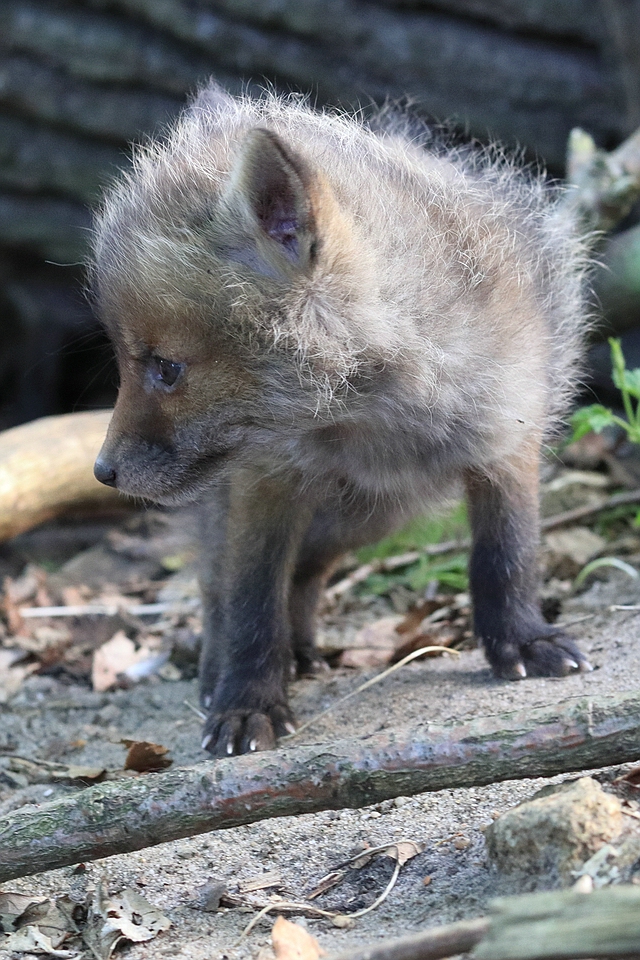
269, 192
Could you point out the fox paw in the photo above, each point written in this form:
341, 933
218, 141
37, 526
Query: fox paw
246, 731
555, 655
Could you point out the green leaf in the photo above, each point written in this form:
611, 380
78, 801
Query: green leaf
628, 380
590, 419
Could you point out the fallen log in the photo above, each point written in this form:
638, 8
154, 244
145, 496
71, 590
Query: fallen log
47, 466
538, 926
117, 817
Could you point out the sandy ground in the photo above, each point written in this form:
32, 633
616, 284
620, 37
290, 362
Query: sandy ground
450, 880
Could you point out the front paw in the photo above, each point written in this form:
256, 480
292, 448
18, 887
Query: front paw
246, 731
549, 655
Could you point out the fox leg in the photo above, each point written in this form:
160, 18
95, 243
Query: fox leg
503, 573
350, 522
248, 706
213, 589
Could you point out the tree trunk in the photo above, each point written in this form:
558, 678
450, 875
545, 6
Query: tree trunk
80, 79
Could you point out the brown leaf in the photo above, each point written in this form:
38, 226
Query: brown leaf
440, 635
144, 756
404, 850
417, 614
46, 771
632, 777
13, 673
292, 942
373, 645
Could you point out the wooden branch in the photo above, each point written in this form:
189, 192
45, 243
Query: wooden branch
117, 817
539, 926
616, 284
627, 498
447, 941
47, 466
606, 185
554, 925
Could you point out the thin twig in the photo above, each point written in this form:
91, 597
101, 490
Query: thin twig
438, 942
199, 713
388, 564
583, 513
109, 609
449, 546
290, 905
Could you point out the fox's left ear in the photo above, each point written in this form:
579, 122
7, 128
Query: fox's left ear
269, 198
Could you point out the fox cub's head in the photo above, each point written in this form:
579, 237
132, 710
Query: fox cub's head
226, 274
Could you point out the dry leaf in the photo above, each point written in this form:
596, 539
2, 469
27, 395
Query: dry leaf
439, 635
12, 906
31, 940
373, 645
144, 756
49, 920
13, 673
127, 916
415, 616
116, 657
404, 850
632, 777
292, 942
46, 771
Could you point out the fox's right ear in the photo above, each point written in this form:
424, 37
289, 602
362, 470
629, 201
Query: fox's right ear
268, 208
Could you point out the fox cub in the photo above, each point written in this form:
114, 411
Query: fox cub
321, 328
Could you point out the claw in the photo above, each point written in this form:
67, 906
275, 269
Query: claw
571, 664
521, 670
289, 727
207, 740
230, 748
253, 745
585, 667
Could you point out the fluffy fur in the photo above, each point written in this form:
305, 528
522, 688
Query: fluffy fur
360, 319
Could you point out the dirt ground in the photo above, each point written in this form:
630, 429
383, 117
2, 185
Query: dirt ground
50, 717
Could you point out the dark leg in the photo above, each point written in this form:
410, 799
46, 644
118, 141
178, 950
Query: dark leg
503, 574
214, 589
248, 705
348, 524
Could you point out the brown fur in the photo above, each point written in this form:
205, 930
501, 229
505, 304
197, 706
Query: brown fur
360, 321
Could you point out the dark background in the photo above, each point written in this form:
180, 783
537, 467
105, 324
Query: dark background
80, 80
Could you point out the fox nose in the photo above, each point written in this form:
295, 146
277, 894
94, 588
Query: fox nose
104, 472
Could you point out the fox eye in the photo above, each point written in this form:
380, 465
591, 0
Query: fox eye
166, 371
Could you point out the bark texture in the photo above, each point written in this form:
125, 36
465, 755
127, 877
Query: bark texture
79, 79
125, 815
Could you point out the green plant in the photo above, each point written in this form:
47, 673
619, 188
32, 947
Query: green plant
450, 570
596, 417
